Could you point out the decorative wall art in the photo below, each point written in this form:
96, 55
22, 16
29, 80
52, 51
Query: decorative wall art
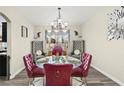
76, 33
38, 35
116, 24
24, 32
59, 37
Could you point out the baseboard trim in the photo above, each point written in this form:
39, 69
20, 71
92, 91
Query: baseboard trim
108, 75
16, 73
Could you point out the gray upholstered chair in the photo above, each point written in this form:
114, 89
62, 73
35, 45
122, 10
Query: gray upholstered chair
37, 50
78, 48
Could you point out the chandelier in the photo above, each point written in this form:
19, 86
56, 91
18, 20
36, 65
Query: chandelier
58, 25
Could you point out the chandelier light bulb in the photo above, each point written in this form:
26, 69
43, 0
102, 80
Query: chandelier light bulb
63, 26
56, 31
64, 30
122, 28
59, 20
52, 23
66, 24
49, 31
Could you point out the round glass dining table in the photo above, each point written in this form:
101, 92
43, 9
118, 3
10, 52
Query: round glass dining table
58, 60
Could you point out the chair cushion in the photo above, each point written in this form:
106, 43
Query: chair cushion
77, 72
37, 72
38, 52
76, 52
34, 66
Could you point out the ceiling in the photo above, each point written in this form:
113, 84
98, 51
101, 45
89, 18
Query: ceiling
43, 15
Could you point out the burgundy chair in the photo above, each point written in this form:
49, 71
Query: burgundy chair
57, 49
82, 70
57, 74
32, 70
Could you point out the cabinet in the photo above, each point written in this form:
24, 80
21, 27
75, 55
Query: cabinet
4, 59
4, 67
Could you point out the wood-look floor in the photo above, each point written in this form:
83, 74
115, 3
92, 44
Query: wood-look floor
94, 78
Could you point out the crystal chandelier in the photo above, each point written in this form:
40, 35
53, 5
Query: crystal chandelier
59, 25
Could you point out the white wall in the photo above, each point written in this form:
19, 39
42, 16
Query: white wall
108, 56
72, 35
19, 46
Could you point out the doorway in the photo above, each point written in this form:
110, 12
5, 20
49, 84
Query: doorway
5, 47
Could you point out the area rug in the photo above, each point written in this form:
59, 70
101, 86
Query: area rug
39, 82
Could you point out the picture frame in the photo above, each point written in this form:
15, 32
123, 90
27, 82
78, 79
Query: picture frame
60, 37
24, 32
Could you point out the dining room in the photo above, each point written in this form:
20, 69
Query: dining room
63, 46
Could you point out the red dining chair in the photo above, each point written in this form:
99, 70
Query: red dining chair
32, 70
83, 57
57, 74
82, 70
57, 49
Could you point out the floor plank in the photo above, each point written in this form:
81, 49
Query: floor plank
94, 78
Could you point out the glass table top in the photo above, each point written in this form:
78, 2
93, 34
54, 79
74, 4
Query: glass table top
58, 60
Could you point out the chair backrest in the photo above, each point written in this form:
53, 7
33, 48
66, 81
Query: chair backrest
86, 61
84, 57
79, 45
57, 49
28, 62
58, 74
36, 46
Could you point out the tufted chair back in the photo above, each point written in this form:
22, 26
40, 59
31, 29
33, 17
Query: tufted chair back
57, 49
59, 75
28, 61
86, 61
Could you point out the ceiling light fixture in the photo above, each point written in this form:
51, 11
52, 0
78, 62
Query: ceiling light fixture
58, 24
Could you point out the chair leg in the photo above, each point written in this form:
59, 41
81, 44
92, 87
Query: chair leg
85, 81
33, 81
70, 81
82, 80
29, 81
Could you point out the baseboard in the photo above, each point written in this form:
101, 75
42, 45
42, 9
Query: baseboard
108, 75
16, 73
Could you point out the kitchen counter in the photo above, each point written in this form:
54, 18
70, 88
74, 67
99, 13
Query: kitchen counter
4, 53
